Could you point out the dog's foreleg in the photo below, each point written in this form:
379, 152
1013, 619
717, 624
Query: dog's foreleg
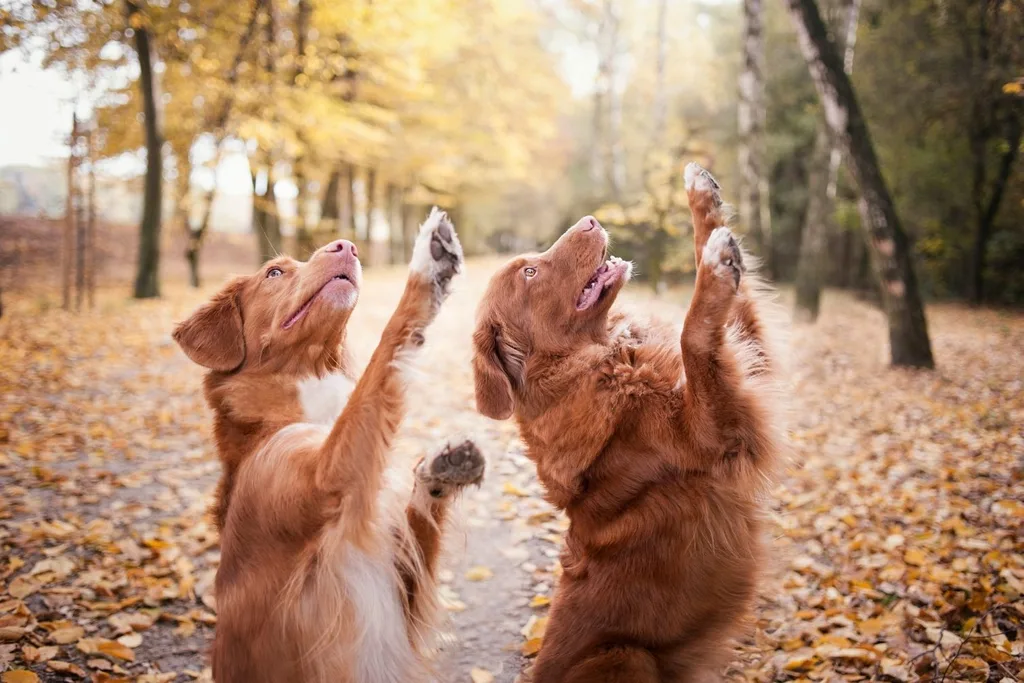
439, 478
354, 455
709, 213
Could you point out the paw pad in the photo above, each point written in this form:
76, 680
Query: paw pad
723, 255
437, 253
451, 468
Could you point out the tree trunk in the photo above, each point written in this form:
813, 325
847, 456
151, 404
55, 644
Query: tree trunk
303, 236
660, 93
147, 279
216, 125
329, 205
754, 207
68, 250
349, 218
908, 330
988, 211
396, 231
266, 224
365, 243
616, 161
822, 187
80, 248
90, 229
197, 235
408, 229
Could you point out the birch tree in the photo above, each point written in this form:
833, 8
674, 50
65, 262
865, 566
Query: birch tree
822, 187
754, 207
889, 245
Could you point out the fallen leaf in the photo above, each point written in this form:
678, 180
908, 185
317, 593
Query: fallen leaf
532, 646
479, 574
70, 634
22, 587
19, 676
478, 675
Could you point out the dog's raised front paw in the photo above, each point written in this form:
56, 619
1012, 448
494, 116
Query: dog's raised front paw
437, 254
722, 254
700, 183
451, 468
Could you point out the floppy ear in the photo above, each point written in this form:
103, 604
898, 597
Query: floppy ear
496, 365
213, 336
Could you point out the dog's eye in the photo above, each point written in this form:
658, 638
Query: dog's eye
529, 271
274, 272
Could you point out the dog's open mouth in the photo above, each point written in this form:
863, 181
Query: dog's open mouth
604, 278
299, 314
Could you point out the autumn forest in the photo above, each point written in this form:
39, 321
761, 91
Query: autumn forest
871, 152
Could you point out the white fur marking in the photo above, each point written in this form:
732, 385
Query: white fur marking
695, 177
383, 653
716, 244
323, 398
422, 261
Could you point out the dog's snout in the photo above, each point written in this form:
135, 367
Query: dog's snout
342, 246
586, 224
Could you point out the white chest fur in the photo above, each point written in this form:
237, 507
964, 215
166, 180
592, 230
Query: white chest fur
323, 398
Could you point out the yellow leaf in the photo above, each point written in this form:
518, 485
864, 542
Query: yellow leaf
115, 649
478, 675
799, 662
20, 676
872, 627
1013, 508
915, 557
540, 601
535, 627
532, 647
513, 490
479, 574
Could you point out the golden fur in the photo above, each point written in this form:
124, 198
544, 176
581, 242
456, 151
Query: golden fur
327, 564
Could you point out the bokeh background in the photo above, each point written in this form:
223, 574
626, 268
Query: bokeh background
149, 148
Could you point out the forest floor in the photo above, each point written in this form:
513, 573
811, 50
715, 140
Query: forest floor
897, 524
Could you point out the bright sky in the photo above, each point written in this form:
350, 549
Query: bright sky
36, 114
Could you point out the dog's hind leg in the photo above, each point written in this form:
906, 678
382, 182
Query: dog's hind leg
613, 665
439, 478
354, 456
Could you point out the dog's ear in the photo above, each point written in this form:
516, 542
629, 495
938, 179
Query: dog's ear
497, 364
212, 336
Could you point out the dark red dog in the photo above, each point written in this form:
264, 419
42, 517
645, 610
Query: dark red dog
659, 447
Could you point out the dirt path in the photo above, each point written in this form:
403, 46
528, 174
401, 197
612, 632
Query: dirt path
896, 526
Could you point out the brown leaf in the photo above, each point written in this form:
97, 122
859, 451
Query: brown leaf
19, 676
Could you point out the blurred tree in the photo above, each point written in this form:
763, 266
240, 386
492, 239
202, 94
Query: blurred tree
147, 278
754, 189
908, 332
824, 180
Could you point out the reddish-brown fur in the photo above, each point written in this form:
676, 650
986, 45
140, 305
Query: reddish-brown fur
657, 446
317, 549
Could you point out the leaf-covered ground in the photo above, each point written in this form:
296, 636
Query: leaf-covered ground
897, 526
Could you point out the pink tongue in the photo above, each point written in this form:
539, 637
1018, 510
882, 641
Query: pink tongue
590, 296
